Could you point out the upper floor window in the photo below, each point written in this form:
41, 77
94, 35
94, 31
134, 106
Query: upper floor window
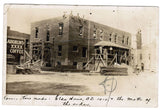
115, 38
110, 37
81, 30
60, 28
36, 32
48, 35
95, 32
123, 39
101, 34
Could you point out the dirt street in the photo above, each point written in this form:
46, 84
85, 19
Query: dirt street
80, 84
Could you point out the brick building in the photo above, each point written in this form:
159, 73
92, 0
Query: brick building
70, 40
17, 45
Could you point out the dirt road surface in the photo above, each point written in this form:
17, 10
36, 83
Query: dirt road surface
80, 84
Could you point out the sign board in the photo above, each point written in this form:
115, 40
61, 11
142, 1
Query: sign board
15, 48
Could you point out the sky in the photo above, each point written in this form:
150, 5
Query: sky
130, 19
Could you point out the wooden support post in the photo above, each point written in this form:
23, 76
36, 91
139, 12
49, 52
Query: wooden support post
89, 62
106, 57
116, 57
95, 59
24, 57
98, 63
102, 60
125, 58
42, 53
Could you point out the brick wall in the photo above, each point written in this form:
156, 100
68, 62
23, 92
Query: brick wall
89, 29
76, 32
55, 39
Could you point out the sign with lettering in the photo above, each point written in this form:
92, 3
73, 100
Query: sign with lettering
15, 48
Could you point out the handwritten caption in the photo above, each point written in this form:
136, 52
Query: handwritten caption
77, 100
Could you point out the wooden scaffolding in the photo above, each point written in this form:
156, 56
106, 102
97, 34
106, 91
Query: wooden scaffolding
107, 56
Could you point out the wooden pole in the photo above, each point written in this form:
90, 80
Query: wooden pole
116, 58
24, 51
42, 53
106, 57
98, 62
89, 36
94, 59
125, 58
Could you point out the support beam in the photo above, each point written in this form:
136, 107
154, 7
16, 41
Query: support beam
106, 57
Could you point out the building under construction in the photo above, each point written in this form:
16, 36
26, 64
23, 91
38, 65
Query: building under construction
74, 43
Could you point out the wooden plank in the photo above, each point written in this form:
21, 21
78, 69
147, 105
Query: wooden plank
114, 70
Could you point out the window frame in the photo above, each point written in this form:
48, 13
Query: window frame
48, 35
123, 39
115, 38
95, 33
110, 37
81, 30
36, 32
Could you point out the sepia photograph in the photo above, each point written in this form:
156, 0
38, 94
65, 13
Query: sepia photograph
75, 55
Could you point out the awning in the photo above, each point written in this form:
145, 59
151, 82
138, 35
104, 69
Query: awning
109, 44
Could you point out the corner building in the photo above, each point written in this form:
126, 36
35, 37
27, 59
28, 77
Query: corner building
70, 41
